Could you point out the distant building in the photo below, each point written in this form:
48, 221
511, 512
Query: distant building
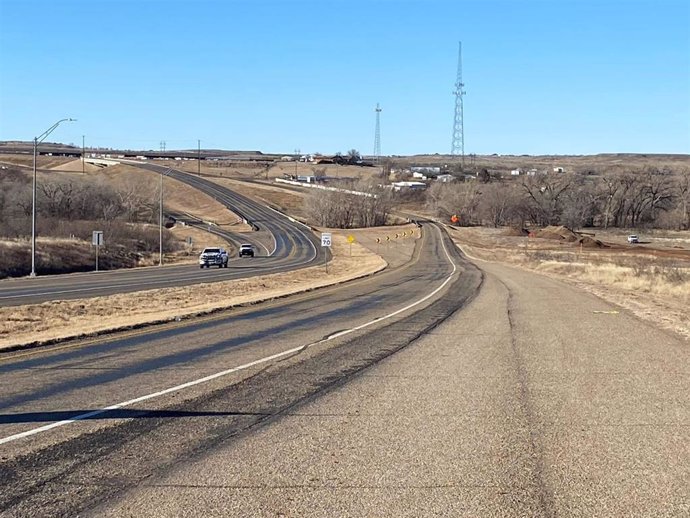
445, 178
558, 170
515, 172
413, 186
425, 169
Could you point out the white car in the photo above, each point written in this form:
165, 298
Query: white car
213, 257
246, 250
632, 239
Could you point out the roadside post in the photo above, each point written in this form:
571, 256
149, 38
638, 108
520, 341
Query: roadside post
326, 242
97, 241
350, 239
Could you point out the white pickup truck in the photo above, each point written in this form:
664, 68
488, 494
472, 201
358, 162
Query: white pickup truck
214, 256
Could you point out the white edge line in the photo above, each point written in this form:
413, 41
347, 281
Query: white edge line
211, 377
87, 415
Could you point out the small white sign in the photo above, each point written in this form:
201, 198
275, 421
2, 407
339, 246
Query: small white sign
97, 238
326, 239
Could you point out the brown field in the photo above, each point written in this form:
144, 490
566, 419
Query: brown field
571, 163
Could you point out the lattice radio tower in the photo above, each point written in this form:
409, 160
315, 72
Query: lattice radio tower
377, 135
458, 146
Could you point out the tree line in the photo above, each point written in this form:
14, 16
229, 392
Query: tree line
370, 207
74, 208
653, 198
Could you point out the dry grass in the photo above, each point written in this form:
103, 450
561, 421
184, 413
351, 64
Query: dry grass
62, 319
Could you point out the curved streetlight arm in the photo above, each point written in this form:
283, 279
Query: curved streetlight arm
38, 139
47, 132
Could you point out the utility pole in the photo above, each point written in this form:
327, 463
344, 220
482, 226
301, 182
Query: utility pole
458, 146
83, 154
160, 224
198, 157
377, 135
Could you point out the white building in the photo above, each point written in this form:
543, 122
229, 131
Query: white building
399, 186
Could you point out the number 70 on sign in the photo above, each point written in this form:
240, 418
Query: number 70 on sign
326, 239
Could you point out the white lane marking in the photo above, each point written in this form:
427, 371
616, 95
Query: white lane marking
427, 297
301, 232
211, 377
117, 406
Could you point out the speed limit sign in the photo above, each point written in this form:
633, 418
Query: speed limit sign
326, 239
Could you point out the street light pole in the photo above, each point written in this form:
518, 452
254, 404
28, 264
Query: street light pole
37, 140
160, 225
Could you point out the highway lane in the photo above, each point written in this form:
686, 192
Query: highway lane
73, 467
536, 400
283, 245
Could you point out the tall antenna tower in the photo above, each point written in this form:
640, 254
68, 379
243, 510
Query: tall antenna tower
377, 136
458, 147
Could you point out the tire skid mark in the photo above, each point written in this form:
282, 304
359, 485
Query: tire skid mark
546, 500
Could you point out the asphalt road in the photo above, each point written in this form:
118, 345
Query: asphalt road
536, 400
272, 357
282, 244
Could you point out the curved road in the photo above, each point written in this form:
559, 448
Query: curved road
180, 389
287, 245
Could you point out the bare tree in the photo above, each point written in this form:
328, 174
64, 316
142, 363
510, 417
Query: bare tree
546, 193
460, 199
361, 205
683, 197
499, 203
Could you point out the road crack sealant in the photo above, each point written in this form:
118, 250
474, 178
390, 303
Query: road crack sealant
545, 495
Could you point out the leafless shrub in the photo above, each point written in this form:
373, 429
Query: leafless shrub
674, 275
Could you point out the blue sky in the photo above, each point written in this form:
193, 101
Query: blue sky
542, 77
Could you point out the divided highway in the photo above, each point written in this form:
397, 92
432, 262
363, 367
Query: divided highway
82, 422
282, 243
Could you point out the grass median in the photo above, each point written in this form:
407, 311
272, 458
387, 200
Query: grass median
35, 324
